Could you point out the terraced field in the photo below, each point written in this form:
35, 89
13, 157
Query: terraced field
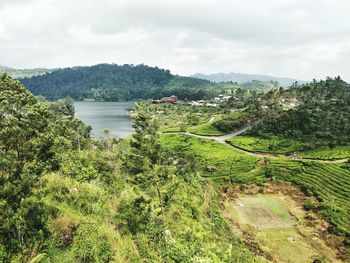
267, 145
330, 183
325, 153
216, 160
277, 145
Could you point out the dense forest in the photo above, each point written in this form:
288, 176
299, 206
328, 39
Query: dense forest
105, 82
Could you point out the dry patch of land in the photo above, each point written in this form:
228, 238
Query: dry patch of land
275, 224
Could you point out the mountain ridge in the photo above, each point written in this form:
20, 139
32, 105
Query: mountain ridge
242, 78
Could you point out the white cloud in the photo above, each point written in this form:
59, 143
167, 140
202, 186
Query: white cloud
297, 38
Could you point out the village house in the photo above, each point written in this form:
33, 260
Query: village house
222, 97
171, 99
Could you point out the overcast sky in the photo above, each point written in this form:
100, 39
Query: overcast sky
303, 39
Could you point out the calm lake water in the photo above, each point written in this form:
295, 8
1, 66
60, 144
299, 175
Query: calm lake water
101, 115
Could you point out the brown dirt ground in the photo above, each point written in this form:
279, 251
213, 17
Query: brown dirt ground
311, 225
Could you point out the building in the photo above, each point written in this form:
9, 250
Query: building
171, 99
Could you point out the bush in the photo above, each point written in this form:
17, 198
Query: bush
91, 246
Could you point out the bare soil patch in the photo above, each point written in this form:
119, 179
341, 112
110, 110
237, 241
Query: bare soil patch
271, 219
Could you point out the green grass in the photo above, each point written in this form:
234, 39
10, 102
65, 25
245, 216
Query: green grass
227, 162
264, 211
325, 153
267, 145
277, 145
287, 244
205, 129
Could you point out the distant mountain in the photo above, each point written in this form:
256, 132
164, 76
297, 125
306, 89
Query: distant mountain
242, 78
23, 73
111, 82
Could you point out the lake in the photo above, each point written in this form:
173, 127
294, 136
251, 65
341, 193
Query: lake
101, 115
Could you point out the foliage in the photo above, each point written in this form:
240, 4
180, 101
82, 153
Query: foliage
316, 112
328, 182
234, 121
214, 160
271, 144
32, 137
105, 82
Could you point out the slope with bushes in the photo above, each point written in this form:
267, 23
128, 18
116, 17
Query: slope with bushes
66, 198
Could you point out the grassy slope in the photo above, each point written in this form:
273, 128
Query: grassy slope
267, 145
206, 128
325, 153
193, 224
278, 145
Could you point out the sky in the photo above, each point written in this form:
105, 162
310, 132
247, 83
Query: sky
302, 39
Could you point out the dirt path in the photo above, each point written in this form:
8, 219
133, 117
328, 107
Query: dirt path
223, 140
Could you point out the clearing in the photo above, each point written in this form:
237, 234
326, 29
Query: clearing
275, 225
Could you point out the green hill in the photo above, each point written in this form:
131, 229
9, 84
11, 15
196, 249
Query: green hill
109, 82
317, 112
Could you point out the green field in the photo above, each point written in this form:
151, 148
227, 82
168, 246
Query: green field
277, 145
206, 129
326, 153
225, 162
267, 145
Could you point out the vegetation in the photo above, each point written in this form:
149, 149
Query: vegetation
213, 159
271, 144
317, 113
328, 182
66, 198
207, 128
154, 197
326, 153
105, 82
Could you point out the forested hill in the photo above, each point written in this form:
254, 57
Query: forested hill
318, 112
110, 82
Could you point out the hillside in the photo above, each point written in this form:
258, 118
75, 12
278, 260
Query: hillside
242, 78
317, 112
67, 198
106, 82
178, 197
25, 73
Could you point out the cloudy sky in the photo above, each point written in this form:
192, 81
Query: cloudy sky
303, 39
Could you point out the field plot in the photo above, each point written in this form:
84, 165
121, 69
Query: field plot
277, 145
267, 145
216, 160
264, 212
206, 129
268, 219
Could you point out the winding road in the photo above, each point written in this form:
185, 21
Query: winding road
223, 139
